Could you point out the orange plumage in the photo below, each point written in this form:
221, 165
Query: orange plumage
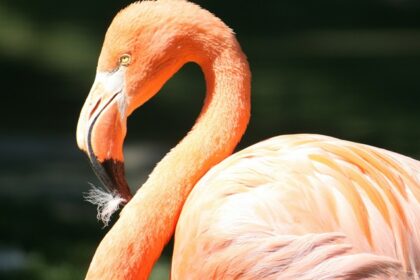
290, 207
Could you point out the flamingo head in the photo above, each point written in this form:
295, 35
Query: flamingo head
134, 63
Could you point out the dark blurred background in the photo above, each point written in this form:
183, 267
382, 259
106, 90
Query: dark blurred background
345, 68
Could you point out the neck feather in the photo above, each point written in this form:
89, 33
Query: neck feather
148, 221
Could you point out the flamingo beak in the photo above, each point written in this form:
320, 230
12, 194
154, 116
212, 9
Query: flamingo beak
101, 131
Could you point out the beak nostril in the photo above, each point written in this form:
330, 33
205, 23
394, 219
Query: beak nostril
94, 108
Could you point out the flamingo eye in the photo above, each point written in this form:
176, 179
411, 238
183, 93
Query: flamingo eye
125, 59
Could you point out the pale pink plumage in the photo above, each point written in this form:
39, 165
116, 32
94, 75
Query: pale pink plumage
303, 207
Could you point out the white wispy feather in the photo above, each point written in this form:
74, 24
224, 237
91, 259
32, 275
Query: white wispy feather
107, 203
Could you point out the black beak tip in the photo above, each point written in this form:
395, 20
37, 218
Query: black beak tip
116, 174
112, 175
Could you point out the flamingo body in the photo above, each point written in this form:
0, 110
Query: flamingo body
292, 207
302, 207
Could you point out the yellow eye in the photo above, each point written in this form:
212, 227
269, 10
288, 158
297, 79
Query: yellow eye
125, 60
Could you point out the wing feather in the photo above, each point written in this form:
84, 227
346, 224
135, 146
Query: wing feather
303, 207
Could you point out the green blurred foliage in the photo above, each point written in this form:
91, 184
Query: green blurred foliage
343, 68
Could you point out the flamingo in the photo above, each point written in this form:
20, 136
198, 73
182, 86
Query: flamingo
291, 207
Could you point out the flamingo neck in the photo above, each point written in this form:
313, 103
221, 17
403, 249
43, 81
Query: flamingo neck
148, 221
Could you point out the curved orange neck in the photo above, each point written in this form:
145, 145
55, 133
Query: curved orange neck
148, 221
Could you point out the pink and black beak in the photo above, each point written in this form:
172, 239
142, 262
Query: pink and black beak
101, 131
